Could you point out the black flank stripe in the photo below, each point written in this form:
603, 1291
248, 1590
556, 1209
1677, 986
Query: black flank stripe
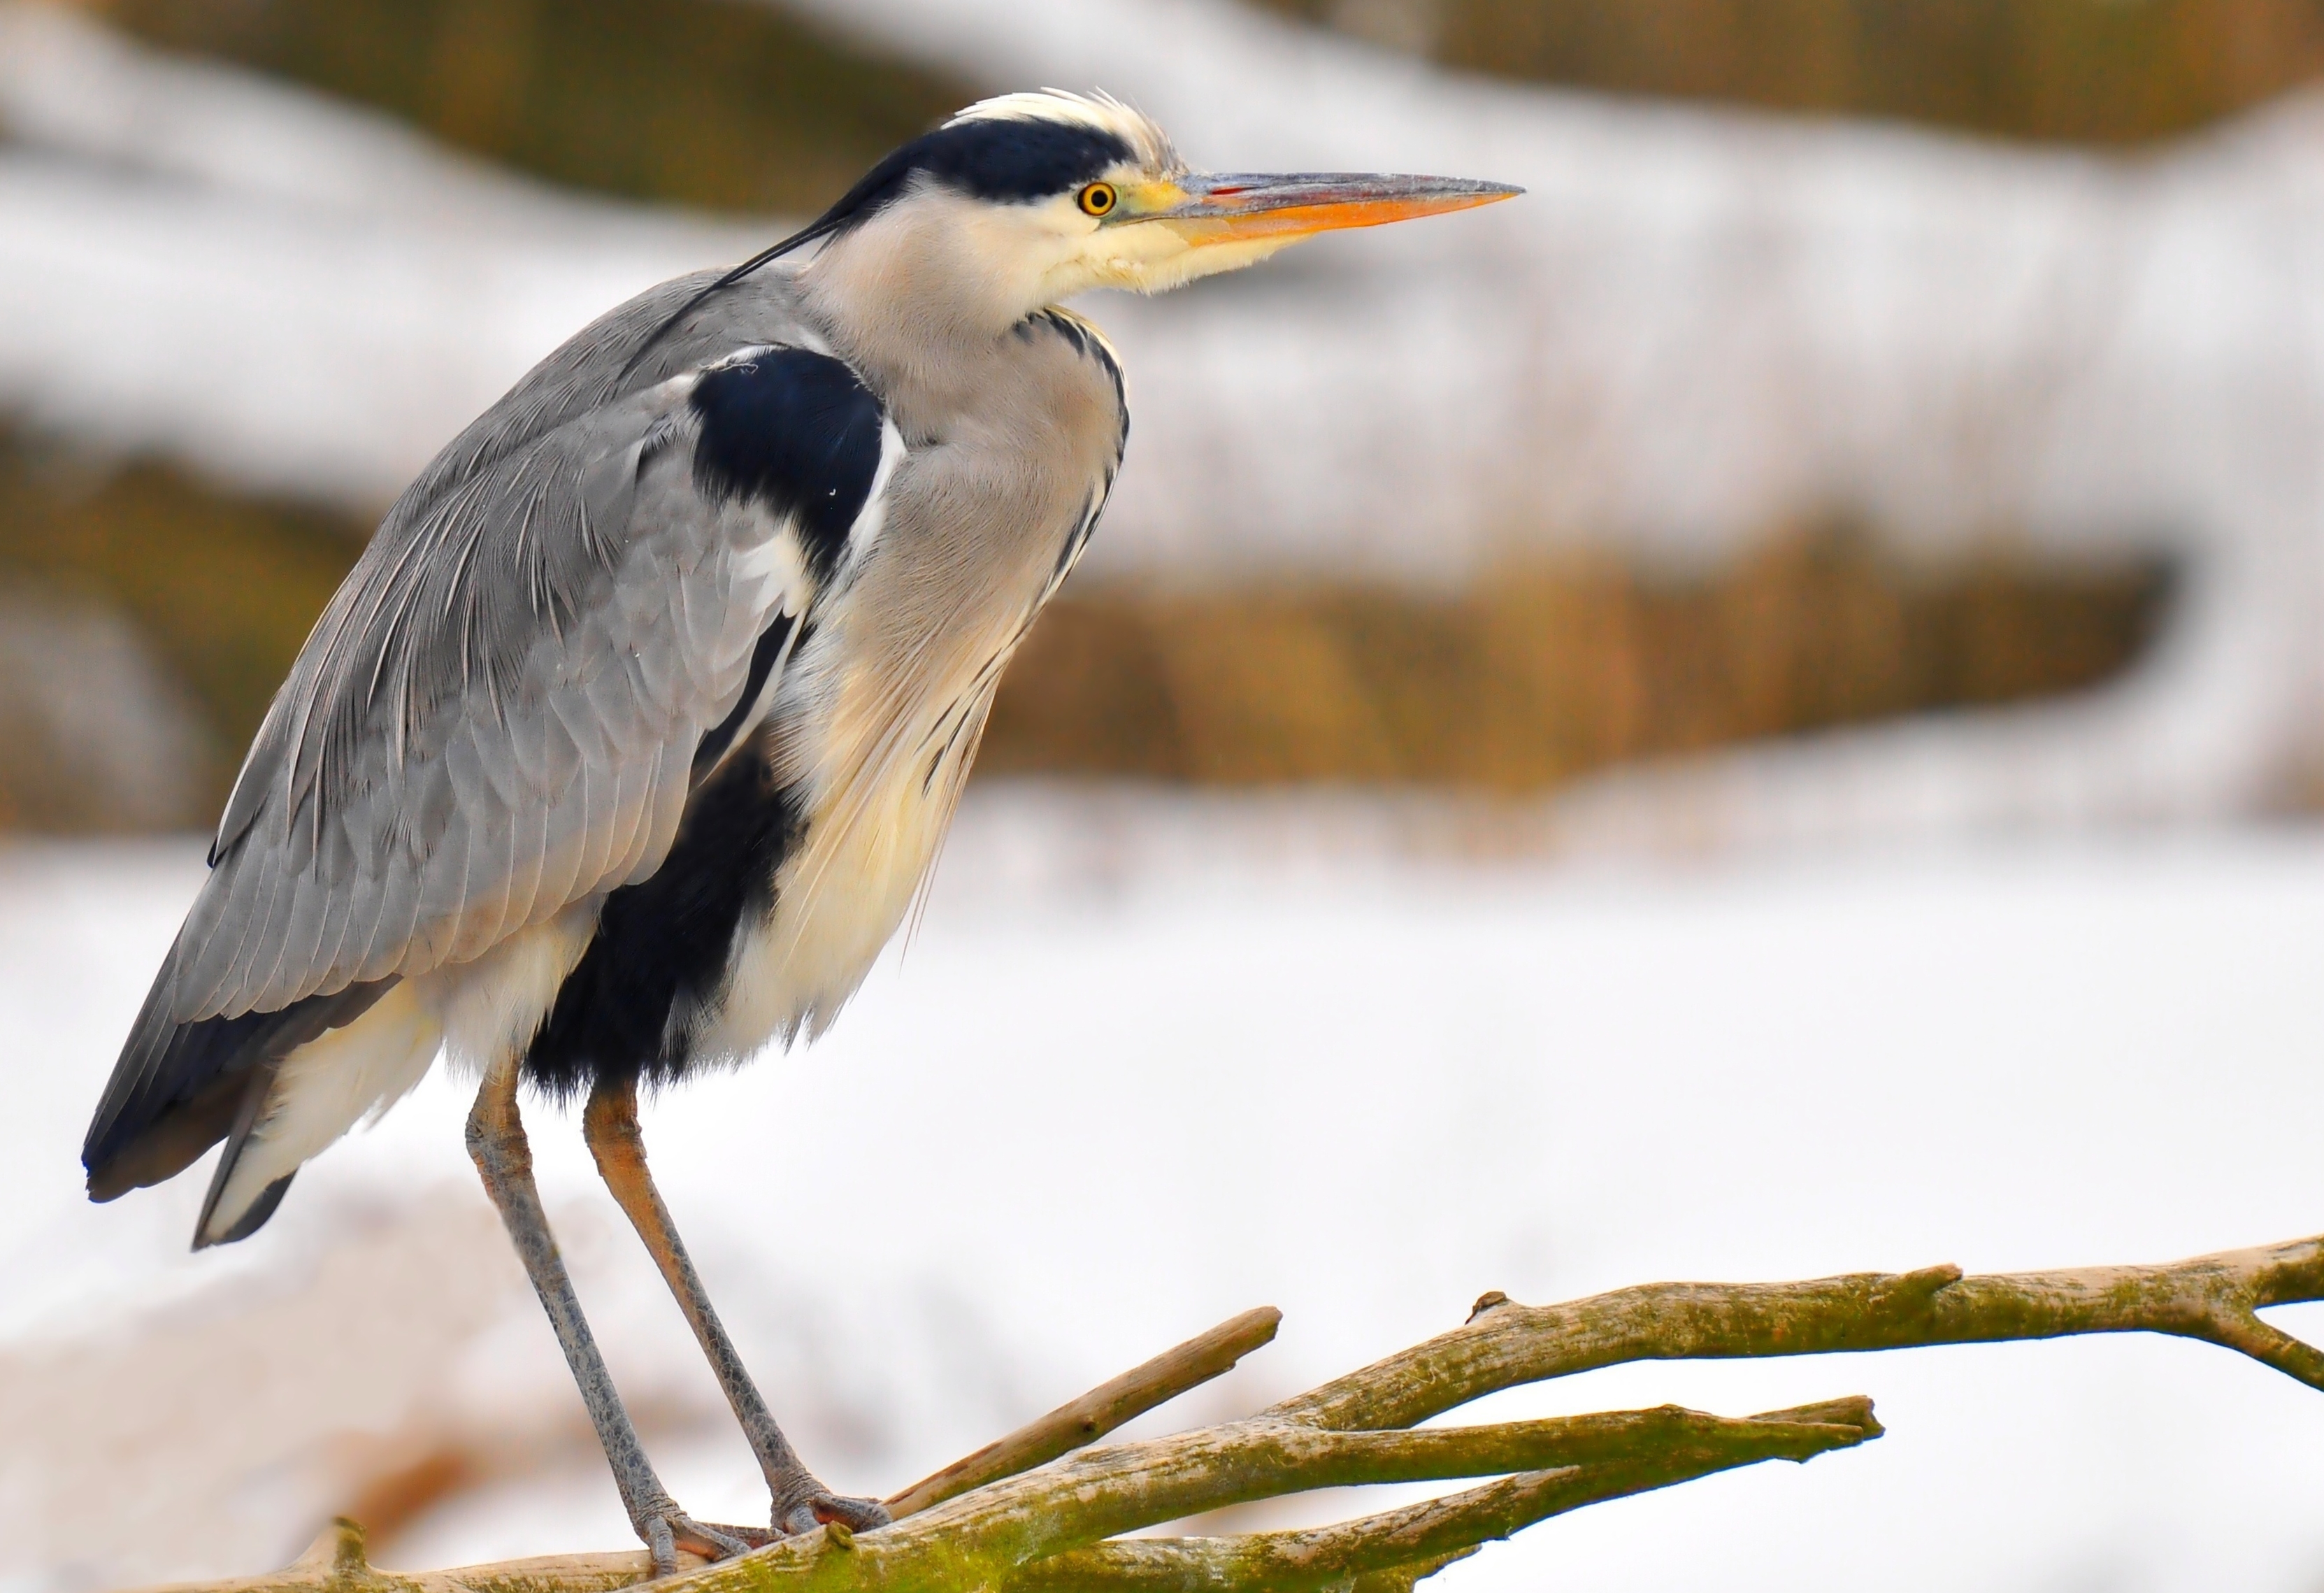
661, 945
762, 663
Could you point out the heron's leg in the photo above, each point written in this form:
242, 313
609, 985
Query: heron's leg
496, 1141
611, 1127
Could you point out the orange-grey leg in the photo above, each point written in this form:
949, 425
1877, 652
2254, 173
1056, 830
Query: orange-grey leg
611, 1127
497, 1143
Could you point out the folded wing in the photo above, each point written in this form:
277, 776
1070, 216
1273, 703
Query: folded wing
500, 713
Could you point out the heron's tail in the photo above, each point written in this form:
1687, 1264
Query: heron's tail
180, 1088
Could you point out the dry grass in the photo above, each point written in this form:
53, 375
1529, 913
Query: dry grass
2100, 70
1547, 671
700, 102
223, 588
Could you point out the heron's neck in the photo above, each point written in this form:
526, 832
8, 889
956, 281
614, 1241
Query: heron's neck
912, 300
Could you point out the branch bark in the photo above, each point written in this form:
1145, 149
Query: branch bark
1099, 1412
1424, 1538
2211, 1298
1042, 1509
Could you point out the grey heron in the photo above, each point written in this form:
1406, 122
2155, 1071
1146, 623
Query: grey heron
627, 744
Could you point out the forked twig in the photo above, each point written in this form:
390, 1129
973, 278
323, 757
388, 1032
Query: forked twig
1423, 1538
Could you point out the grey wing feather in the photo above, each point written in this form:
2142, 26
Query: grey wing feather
497, 713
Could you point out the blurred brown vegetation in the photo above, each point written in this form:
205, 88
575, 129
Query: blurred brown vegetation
735, 106
2087, 71
212, 594
224, 587
1548, 669
695, 102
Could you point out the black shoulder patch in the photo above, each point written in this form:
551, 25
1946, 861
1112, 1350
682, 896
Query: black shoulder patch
1003, 158
797, 430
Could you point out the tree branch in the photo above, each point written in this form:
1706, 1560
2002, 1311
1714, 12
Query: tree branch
2212, 1298
1099, 1412
1041, 1510
1427, 1537
336, 1563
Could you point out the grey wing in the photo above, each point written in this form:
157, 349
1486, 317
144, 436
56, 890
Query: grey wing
610, 358
501, 712
496, 716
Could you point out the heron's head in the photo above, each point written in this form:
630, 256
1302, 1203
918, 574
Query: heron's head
1024, 200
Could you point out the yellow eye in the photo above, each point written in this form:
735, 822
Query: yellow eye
1097, 199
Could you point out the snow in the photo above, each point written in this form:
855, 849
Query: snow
1105, 1099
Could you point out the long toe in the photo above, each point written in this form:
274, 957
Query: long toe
727, 1540
862, 1516
671, 1530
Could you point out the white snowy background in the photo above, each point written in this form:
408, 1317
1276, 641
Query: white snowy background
2009, 994
1111, 1095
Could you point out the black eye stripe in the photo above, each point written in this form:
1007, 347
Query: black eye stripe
1003, 158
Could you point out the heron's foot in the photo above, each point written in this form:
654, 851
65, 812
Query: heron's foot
666, 1529
810, 1504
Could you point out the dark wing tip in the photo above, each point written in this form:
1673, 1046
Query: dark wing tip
178, 1088
165, 1145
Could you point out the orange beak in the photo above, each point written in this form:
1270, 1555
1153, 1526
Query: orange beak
1231, 206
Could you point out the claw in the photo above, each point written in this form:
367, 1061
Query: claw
860, 1515
671, 1530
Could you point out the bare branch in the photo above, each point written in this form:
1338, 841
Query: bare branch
985, 1536
1403, 1577
336, 1563
2210, 1298
1423, 1538
1292, 1563
1099, 1412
